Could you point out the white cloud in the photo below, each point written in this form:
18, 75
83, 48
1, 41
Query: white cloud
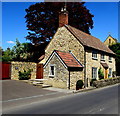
10, 42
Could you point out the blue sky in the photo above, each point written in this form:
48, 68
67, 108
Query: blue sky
14, 26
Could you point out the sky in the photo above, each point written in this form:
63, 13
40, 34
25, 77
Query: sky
14, 26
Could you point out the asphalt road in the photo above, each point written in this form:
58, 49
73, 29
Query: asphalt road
100, 101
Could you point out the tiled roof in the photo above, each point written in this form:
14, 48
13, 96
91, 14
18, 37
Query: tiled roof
69, 59
88, 40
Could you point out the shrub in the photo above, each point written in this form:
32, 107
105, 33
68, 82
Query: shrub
100, 74
25, 75
79, 84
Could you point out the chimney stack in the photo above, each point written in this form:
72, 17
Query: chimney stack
63, 17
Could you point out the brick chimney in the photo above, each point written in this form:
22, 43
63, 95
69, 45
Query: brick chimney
63, 17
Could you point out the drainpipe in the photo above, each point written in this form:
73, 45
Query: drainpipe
85, 81
69, 81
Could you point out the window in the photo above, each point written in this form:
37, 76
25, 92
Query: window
110, 59
52, 70
94, 54
110, 72
109, 41
94, 73
102, 57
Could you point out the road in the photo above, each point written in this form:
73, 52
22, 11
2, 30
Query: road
98, 101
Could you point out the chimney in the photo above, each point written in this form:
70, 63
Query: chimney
63, 17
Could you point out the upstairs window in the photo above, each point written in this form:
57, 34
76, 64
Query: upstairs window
52, 70
110, 59
102, 57
94, 54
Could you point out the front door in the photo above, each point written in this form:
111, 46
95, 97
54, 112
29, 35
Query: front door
106, 73
39, 73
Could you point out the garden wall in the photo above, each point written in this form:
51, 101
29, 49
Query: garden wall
105, 82
21, 66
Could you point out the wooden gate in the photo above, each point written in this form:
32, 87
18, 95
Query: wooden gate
39, 73
6, 70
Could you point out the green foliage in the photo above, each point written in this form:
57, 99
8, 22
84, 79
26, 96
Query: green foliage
23, 52
79, 84
116, 49
42, 19
25, 75
7, 55
1, 51
100, 74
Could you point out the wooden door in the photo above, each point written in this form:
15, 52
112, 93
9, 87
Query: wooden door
106, 73
39, 73
6, 70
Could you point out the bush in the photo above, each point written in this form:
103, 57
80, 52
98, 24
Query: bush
79, 84
25, 75
101, 74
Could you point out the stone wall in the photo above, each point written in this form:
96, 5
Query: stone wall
90, 62
102, 83
61, 78
63, 40
21, 66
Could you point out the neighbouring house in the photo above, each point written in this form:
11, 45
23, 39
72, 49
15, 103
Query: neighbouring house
74, 55
110, 41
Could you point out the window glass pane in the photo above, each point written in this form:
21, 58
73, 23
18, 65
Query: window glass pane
94, 54
94, 73
52, 70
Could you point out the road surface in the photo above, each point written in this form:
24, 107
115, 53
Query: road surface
98, 101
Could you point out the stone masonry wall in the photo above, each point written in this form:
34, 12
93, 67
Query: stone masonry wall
61, 74
21, 66
90, 62
63, 40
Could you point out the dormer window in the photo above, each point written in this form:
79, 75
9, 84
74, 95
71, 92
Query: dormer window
102, 57
94, 54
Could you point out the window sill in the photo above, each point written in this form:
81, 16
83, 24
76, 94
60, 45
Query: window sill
103, 60
94, 58
51, 76
110, 61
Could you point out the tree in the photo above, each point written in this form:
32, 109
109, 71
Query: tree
22, 51
7, 55
116, 49
42, 19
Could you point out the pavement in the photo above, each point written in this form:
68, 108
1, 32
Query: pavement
16, 92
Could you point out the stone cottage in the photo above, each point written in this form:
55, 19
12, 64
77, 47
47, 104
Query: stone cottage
88, 52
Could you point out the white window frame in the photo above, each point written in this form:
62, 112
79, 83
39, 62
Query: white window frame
110, 58
50, 71
94, 55
102, 57
110, 72
94, 74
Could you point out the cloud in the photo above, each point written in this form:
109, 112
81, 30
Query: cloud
10, 42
